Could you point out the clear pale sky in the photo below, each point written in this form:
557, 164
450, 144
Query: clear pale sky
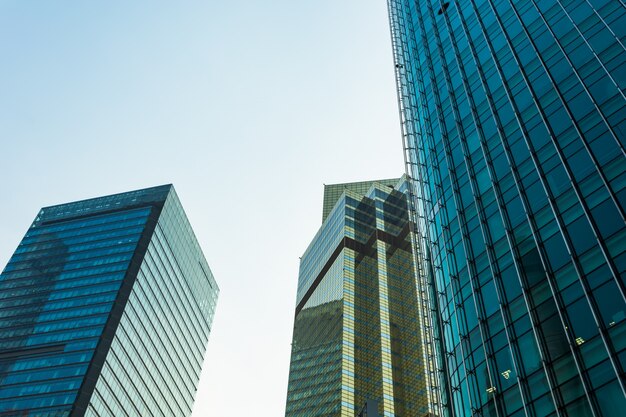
247, 107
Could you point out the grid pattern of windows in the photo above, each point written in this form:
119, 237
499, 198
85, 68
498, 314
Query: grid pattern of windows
514, 121
357, 325
56, 294
105, 309
332, 192
154, 363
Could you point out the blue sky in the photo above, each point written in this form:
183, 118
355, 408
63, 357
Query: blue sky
246, 107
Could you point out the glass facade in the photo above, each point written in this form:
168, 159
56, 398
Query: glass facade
357, 318
332, 192
105, 308
514, 126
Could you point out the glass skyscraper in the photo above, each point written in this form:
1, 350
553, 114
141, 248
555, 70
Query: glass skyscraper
357, 322
105, 310
513, 117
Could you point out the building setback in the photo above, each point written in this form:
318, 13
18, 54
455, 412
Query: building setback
514, 125
105, 310
357, 332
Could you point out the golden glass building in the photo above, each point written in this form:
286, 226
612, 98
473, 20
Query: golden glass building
357, 332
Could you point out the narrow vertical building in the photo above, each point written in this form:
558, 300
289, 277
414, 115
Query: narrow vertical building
357, 331
105, 310
514, 127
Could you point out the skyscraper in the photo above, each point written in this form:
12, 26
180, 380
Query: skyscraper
357, 327
513, 117
105, 310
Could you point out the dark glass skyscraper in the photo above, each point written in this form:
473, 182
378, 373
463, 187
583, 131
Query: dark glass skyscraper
105, 310
357, 329
514, 126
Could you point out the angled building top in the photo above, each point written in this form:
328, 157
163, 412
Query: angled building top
147, 196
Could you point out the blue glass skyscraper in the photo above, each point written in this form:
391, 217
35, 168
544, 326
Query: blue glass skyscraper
513, 117
105, 310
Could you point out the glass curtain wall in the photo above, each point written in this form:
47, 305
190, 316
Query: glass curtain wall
514, 125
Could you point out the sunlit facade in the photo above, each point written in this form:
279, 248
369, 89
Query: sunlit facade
105, 310
514, 126
357, 327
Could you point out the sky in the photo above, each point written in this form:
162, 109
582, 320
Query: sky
247, 107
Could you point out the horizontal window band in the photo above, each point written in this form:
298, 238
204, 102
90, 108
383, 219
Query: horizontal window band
35, 351
95, 214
